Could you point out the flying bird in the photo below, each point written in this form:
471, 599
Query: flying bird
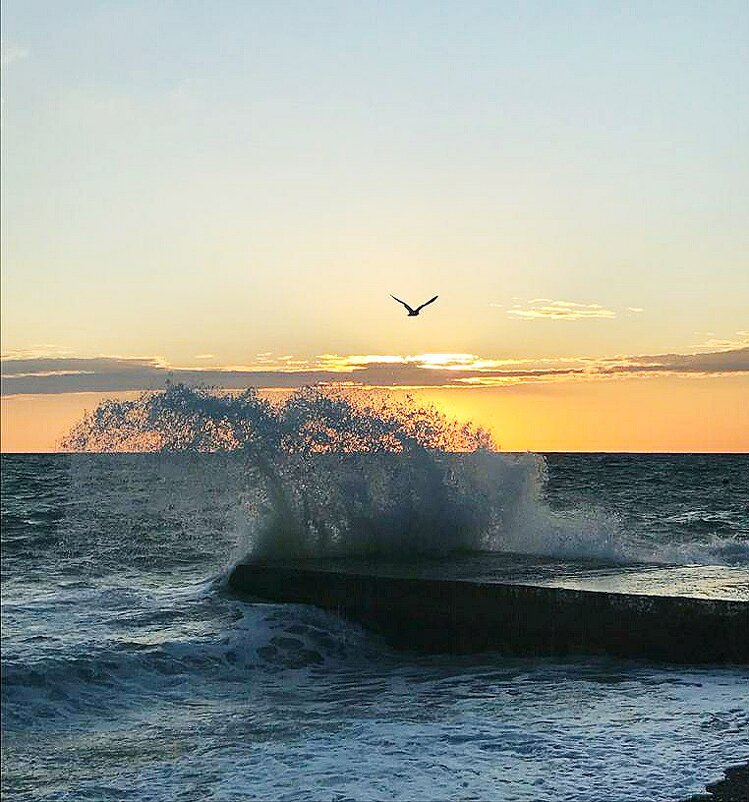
415, 312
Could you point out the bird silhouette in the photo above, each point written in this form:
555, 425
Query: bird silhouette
414, 312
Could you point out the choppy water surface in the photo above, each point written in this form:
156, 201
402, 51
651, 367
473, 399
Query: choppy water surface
128, 672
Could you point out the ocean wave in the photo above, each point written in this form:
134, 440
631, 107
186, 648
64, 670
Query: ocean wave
45, 681
331, 473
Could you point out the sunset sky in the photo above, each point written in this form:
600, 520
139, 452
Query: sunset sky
227, 193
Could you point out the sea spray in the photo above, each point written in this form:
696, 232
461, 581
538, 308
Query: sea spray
390, 503
310, 420
326, 472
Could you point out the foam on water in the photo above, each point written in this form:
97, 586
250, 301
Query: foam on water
129, 673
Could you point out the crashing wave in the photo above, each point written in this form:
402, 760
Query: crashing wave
327, 471
331, 472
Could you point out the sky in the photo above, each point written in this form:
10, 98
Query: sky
229, 192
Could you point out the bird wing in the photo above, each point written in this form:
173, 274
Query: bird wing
426, 303
402, 302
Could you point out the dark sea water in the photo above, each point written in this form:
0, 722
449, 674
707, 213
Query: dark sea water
130, 673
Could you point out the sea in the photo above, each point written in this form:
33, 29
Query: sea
131, 672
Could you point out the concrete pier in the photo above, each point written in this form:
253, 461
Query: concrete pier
522, 605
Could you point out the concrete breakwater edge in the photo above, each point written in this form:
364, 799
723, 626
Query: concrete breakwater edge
414, 609
734, 787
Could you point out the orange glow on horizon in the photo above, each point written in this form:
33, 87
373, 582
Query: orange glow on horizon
663, 414
654, 414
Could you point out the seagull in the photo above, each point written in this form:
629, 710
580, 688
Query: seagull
415, 312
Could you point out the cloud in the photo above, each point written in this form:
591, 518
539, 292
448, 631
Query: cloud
546, 309
739, 340
10, 52
720, 362
63, 374
38, 351
635, 310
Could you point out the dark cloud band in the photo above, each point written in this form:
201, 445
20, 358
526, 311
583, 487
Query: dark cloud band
45, 375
